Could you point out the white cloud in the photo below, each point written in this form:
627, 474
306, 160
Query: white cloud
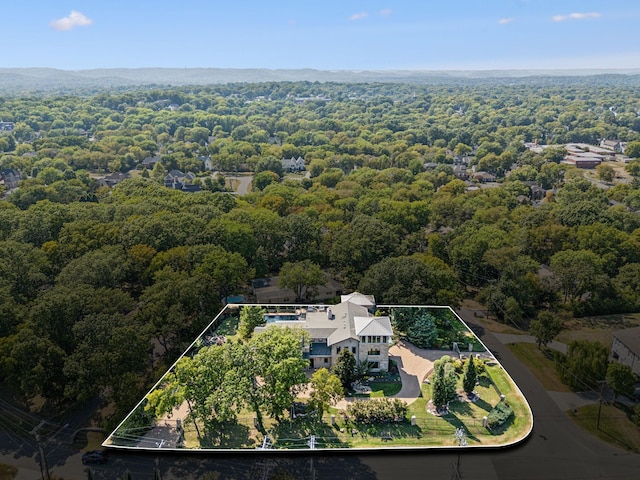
504, 21
575, 16
75, 19
385, 12
358, 16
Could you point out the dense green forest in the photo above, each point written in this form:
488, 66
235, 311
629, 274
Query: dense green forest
102, 288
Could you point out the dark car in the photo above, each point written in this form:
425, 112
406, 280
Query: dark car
95, 456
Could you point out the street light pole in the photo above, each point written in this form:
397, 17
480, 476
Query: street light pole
44, 468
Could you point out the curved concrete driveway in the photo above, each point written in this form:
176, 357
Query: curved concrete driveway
413, 364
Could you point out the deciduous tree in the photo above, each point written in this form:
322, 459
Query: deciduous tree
326, 390
620, 378
251, 316
545, 327
303, 278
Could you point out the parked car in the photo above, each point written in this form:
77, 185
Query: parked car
95, 457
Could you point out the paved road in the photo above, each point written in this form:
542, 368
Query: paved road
242, 182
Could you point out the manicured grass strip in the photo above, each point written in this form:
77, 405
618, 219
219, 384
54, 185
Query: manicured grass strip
522, 419
384, 389
542, 367
615, 426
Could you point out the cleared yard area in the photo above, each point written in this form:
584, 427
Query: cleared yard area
540, 365
598, 329
615, 426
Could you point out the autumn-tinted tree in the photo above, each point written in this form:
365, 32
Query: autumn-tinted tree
326, 390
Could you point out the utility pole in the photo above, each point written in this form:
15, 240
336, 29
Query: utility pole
461, 437
44, 468
602, 382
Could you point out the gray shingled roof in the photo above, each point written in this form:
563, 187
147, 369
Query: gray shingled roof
373, 326
341, 321
359, 299
630, 337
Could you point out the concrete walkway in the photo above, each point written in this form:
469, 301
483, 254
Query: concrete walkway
414, 364
570, 400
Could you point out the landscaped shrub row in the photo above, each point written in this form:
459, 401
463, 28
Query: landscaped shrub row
499, 414
383, 410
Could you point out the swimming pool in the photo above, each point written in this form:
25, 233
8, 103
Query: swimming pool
281, 317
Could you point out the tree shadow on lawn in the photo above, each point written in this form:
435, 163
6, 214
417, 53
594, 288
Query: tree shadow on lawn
387, 431
483, 404
460, 407
227, 435
452, 419
294, 433
484, 381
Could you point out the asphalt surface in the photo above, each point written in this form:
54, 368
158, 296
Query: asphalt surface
556, 449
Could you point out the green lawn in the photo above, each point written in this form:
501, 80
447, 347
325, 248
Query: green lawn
615, 426
429, 430
540, 365
381, 390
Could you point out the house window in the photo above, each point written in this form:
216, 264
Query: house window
337, 349
353, 350
374, 365
326, 360
384, 339
616, 356
374, 351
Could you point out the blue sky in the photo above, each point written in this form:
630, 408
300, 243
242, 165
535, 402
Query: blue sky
326, 34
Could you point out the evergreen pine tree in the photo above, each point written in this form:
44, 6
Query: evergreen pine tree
470, 376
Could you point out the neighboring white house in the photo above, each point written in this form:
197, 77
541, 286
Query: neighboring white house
615, 145
625, 348
293, 164
347, 325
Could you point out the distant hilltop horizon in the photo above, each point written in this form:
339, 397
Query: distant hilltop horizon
43, 79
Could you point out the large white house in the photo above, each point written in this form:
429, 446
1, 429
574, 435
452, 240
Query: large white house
347, 325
